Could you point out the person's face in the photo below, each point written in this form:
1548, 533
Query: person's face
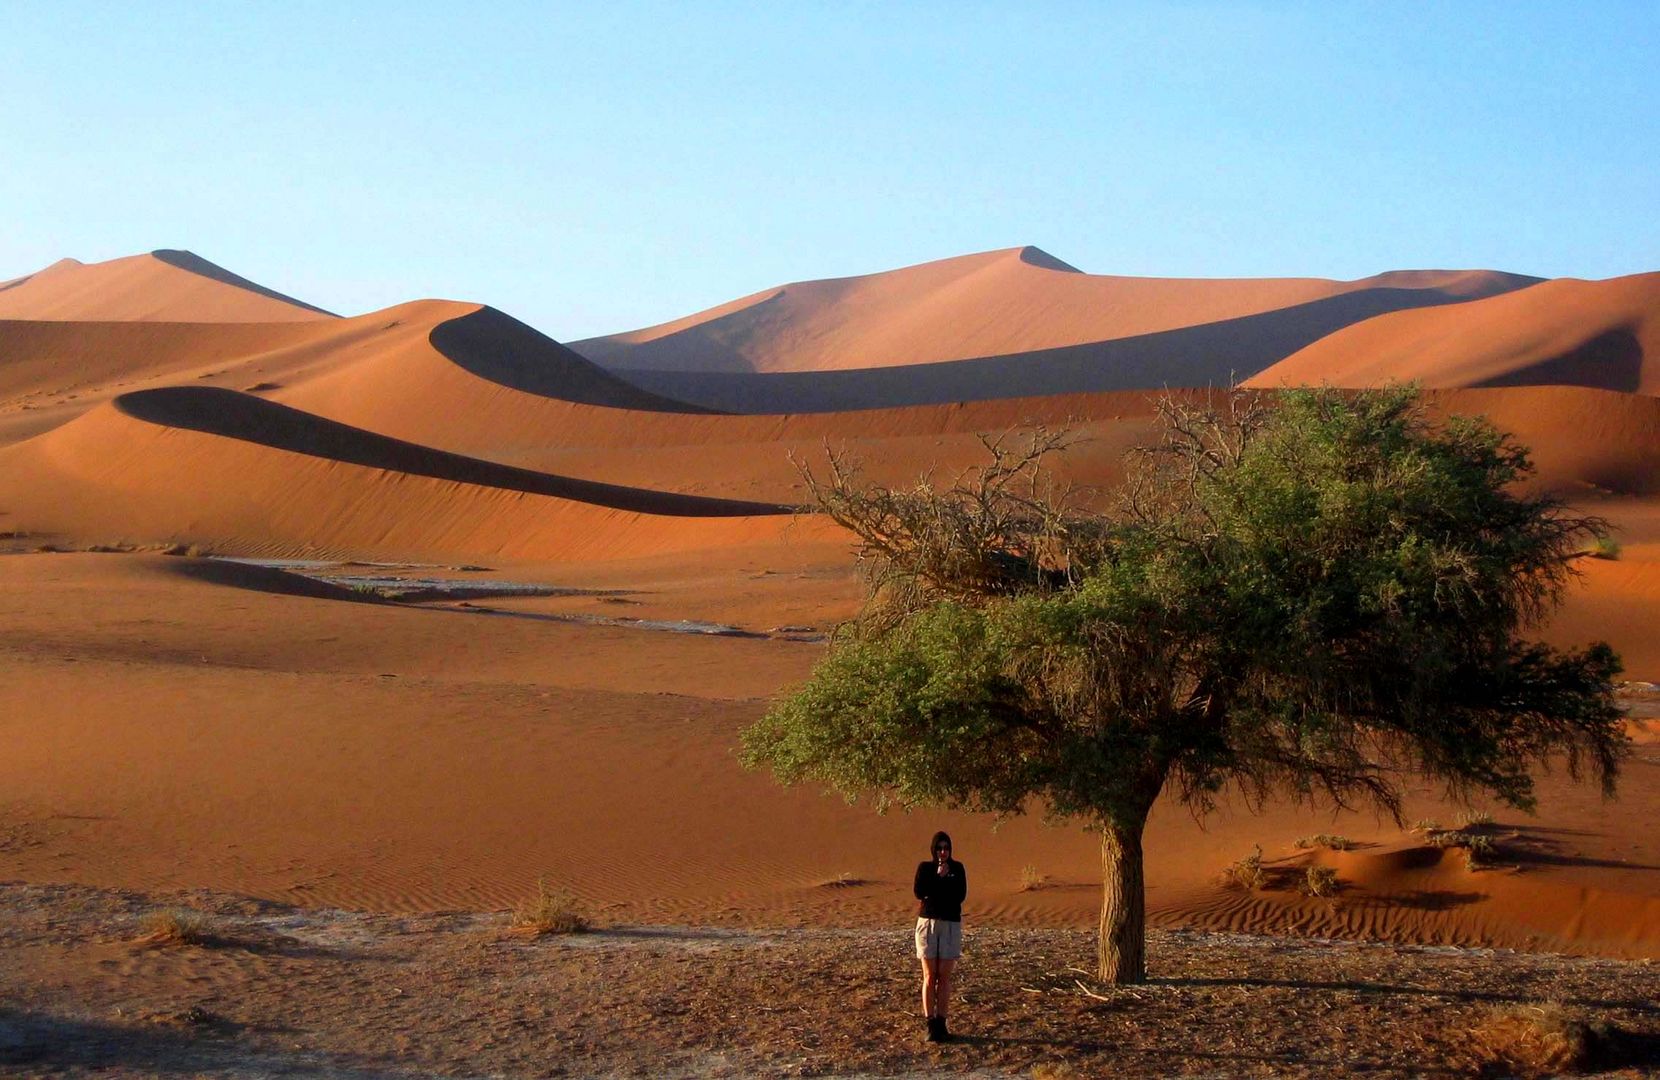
942, 852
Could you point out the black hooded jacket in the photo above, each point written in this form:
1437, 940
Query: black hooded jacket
941, 894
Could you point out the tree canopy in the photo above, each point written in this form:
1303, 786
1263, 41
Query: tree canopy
1311, 594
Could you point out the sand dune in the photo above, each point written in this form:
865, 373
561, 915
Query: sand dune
168, 286
180, 722
1604, 334
997, 303
52, 371
253, 476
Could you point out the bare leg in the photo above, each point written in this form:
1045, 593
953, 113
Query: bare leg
942, 991
930, 984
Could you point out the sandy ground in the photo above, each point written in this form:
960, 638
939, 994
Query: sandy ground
274, 990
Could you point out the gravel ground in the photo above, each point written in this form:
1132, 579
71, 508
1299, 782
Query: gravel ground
277, 991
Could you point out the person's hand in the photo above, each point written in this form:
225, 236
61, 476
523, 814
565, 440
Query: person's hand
942, 866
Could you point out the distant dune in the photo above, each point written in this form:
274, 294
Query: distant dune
167, 286
1018, 300
1604, 334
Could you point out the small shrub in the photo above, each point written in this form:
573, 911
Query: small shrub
1320, 881
1056, 1070
1474, 819
1531, 1040
1030, 879
549, 912
1247, 872
1425, 825
175, 926
1326, 840
197, 551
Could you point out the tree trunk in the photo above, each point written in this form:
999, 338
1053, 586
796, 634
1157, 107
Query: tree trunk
1122, 950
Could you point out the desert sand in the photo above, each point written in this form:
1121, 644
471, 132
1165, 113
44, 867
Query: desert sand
292, 734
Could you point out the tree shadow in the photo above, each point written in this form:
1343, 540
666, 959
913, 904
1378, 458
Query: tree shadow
188, 1045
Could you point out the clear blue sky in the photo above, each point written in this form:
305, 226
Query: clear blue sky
596, 167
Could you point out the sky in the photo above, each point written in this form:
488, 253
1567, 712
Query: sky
592, 168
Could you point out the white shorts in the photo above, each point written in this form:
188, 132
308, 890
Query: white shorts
939, 939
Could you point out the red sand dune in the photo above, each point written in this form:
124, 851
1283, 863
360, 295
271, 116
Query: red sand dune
168, 286
173, 464
1583, 333
176, 722
992, 304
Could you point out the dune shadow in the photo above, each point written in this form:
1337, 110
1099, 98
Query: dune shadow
191, 262
1433, 899
500, 349
1610, 361
228, 414
1190, 356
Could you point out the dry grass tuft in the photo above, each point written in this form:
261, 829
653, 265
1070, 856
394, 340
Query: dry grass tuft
1246, 872
1474, 819
1056, 1070
1320, 881
1530, 1041
175, 926
1030, 879
1327, 841
1425, 825
549, 911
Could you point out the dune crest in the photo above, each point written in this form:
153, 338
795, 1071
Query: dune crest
164, 285
1603, 334
997, 303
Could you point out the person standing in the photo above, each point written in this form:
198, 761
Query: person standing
941, 885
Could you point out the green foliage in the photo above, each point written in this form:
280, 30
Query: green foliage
1301, 599
1307, 594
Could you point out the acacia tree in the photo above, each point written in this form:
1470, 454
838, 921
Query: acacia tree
1313, 594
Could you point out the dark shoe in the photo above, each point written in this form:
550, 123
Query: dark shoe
944, 1035
936, 1029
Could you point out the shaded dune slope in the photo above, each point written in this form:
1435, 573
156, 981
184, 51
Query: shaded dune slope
247, 475
228, 414
998, 303
171, 286
52, 371
1602, 334
1209, 354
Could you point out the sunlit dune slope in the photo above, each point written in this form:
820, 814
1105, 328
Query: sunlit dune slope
169, 286
996, 303
255, 476
52, 371
1585, 333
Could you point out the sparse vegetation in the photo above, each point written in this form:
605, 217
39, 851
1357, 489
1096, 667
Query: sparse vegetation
1320, 881
1532, 1041
1425, 825
1056, 1070
1474, 819
1031, 879
549, 911
175, 926
1246, 872
1327, 841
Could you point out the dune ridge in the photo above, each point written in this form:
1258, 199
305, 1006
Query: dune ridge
1603, 334
997, 303
164, 285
